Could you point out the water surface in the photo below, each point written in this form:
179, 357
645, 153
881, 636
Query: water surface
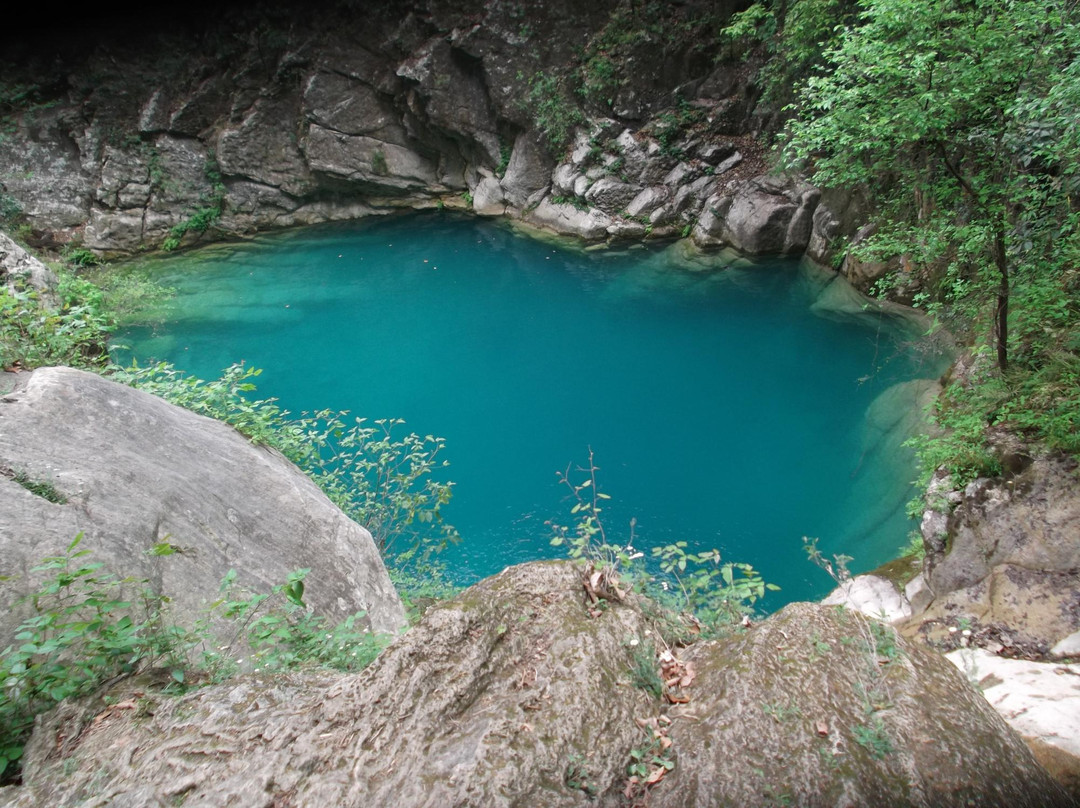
728, 407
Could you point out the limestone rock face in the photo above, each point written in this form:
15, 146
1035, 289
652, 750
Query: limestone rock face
136, 471
16, 264
1004, 552
528, 172
762, 215
512, 694
1030, 521
563, 218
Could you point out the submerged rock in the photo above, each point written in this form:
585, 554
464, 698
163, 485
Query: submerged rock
512, 694
132, 471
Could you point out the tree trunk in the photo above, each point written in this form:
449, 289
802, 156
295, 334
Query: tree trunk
1001, 311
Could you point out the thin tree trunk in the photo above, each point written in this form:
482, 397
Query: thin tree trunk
1001, 312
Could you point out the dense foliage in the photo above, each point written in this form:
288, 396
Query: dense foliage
957, 121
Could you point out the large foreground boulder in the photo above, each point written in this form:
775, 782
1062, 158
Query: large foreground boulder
133, 471
518, 693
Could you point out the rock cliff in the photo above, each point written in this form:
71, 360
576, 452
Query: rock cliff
611, 120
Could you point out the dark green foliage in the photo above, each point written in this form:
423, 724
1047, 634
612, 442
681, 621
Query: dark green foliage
85, 630
963, 136
552, 109
378, 163
794, 34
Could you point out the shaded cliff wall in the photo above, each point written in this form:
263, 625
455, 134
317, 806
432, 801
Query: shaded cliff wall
283, 115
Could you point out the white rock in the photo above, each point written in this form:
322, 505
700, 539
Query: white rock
1037, 699
872, 595
488, 199
1070, 646
918, 593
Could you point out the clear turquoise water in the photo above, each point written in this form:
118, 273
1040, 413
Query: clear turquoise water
721, 409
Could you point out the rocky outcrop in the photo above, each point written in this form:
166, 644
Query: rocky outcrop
20, 268
762, 215
512, 694
129, 471
871, 595
1002, 554
297, 118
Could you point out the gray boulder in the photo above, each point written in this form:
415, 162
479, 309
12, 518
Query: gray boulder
611, 195
528, 171
488, 198
760, 216
19, 266
517, 693
568, 220
872, 595
137, 471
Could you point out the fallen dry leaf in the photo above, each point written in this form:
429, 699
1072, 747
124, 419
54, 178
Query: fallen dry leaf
655, 776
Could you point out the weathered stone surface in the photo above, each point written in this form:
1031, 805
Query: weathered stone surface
19, 266
769, 215
512, 694
872, 595
528, 171
817, 707
114, 230
918, 594
263, 146
367, 161
455, 94
348, 106
1070, 646
562, 218
137, 471
1031, 520
648, 200
40, 167
1040, 700
563, 178
488, 198
611, 195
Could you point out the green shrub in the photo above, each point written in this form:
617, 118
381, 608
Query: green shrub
33, 334
552, 109
379, 477
711, 595
89, 627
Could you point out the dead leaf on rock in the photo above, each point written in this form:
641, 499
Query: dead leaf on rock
655, 776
